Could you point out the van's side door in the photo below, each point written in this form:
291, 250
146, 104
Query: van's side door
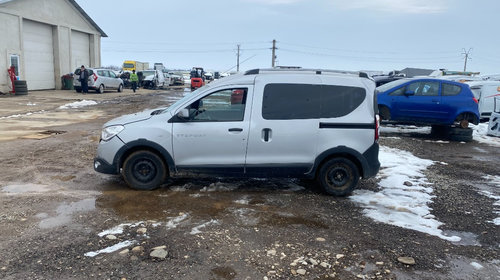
213, 139
284, 126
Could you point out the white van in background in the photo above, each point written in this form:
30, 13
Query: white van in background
485, 93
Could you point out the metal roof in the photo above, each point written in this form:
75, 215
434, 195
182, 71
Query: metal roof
85, 15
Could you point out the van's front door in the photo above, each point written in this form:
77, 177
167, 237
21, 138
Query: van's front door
284, 127
213, 138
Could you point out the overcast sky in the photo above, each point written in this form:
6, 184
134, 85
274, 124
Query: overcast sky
333, 34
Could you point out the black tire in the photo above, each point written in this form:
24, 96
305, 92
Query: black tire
120, 88
144, 170
338, 176
100, 89
21, 88
384, 113
440, 131
461, 134
21, 92
19, 83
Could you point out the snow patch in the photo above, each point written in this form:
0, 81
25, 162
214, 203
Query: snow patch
78, 104
396, 203
110, 249
196, 229
476, 265
174, 222
495, 181
405, 129
119, 229
219, 187
480, 132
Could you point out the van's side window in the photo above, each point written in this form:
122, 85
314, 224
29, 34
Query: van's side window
221, 106
450, 90
305, 101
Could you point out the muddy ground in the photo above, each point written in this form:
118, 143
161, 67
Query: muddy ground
57, 213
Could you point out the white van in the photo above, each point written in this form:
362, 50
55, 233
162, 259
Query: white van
264, 123
485, 92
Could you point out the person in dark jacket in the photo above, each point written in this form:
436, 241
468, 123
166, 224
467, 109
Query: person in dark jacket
84, 76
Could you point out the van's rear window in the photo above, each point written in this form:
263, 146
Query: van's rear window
306, 101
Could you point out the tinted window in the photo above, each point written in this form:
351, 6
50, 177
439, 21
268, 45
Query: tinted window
101, 73
424, 88
399, 91
224, 105
304, 101
450, 90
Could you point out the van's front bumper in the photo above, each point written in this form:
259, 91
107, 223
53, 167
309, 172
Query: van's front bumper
106, 159
102, 166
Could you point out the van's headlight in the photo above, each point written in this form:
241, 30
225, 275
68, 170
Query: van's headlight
110, 131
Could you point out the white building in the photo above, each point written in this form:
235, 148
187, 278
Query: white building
46, 39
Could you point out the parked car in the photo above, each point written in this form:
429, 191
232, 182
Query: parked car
177, 79
435, 102
486, 93
264, 123
151, 79
384, 79
99, 80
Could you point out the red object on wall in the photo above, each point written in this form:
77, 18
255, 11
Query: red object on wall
12, 76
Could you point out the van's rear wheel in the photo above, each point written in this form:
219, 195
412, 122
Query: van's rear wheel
338, 176
144, 170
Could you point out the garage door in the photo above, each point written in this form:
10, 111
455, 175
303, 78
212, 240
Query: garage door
38, 55
80, 49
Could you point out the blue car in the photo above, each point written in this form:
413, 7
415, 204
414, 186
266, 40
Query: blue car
428, 101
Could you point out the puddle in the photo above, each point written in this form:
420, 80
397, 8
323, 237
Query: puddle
26, 188
466, 238
224, 272
207, 201
64, 212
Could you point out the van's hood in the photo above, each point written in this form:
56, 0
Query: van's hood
137, 117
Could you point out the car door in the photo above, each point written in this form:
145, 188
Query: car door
213, 139
284, 126
421, 102
113, 80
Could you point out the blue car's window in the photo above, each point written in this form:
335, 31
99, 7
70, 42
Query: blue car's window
450, 90
424, 88
399, 91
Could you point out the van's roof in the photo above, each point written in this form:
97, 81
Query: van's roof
298, 70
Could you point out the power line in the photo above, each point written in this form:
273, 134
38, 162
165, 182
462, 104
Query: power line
466, 57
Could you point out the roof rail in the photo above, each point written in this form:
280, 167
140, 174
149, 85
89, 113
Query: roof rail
305, 70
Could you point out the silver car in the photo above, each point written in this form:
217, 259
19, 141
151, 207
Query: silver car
99, 80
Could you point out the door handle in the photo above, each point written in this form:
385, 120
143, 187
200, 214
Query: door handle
235, 129
267, 134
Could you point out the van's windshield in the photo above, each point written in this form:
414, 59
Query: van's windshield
128, 65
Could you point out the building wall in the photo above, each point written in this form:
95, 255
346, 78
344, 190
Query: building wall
60, 14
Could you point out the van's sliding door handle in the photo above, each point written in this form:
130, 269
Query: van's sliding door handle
267, 134
235, 129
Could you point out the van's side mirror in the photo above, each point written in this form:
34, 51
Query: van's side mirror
409, 92
183, 114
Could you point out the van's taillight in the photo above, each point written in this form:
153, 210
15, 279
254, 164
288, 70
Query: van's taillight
377, 127
475, 100
95, 77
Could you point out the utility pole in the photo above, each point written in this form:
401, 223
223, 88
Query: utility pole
238, 60
466, 57
274, 54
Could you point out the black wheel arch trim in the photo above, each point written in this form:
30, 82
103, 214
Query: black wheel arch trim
367, 162
147, 145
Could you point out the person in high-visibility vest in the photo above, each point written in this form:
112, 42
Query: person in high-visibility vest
134, 79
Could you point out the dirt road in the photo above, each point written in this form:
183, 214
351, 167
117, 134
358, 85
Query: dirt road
62, 220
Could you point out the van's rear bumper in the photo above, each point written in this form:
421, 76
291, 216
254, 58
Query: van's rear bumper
372, 165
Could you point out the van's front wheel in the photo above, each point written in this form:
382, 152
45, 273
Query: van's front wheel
338, 176
144, 170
